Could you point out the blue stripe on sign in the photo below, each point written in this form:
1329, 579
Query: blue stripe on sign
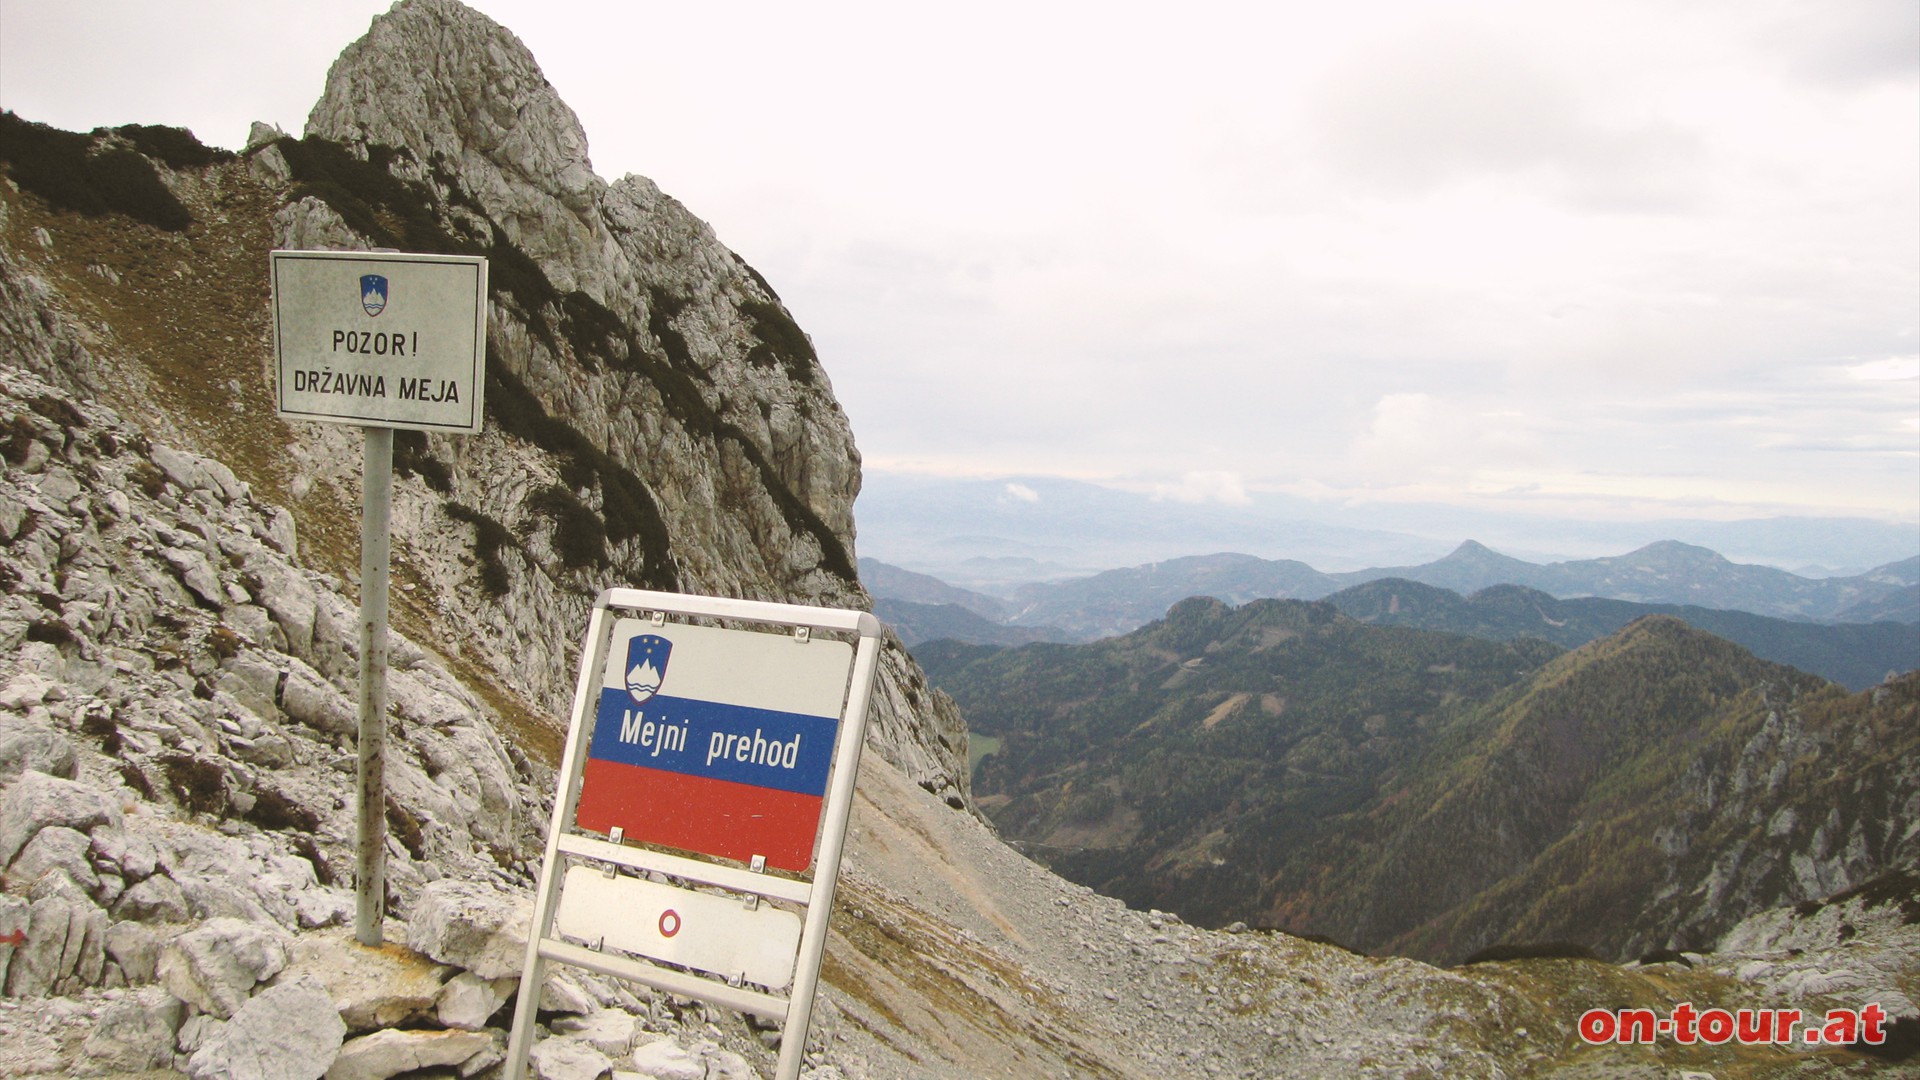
762, 747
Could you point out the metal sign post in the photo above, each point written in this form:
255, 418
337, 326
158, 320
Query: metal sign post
730, 756
381, 340
370, 850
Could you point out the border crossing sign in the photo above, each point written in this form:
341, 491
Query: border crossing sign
699, 759
714, 741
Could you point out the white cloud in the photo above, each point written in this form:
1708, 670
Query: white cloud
1891, 369
1847, 44
1452, 103
1020, 493
1228, 488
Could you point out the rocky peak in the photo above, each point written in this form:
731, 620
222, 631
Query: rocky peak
464, 95
452, 103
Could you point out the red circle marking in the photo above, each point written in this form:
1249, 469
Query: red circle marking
669, 923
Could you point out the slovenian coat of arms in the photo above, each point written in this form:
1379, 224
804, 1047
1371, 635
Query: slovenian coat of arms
373, 293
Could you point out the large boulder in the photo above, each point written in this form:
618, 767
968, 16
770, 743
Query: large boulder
610, 1031
467, 1000
665, 1059
286, 1032
216, 965
567, 1059
26, 746
62, 948
133, 1034
373, 988
36, 801
471, 926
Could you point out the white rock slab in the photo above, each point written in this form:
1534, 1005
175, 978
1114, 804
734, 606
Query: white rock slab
471, 926
392, 1052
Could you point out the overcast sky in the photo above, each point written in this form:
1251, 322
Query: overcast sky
1608, 260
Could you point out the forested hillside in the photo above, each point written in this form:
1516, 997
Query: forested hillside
1855, 655
1431, 793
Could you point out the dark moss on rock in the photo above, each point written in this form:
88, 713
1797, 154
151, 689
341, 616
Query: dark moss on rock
579, 536
491, 541
628, 508
79, 173
412, 457
782, 342
174, 147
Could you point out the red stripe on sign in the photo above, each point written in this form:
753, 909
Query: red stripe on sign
700, 814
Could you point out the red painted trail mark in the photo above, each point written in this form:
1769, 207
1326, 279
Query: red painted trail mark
16, 939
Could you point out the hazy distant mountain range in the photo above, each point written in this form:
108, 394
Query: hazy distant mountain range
1855, 655
916, 622
921, 607
925, 590
1668, 572
985, 534
1865, 629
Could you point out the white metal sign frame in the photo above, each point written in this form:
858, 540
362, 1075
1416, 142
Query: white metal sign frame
569, 853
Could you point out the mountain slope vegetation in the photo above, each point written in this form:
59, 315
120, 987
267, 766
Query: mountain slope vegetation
1855, 655
1430, 793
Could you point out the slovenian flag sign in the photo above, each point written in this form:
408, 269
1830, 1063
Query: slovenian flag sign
715, 741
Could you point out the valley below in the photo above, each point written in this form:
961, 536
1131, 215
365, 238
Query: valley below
1431, 794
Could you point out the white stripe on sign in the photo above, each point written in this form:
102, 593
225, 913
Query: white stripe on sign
739, 667
715, 934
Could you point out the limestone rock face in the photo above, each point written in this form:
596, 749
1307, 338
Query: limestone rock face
456, 88
619, 318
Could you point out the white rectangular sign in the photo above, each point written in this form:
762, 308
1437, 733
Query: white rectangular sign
714, 740
716, 934
383, 339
